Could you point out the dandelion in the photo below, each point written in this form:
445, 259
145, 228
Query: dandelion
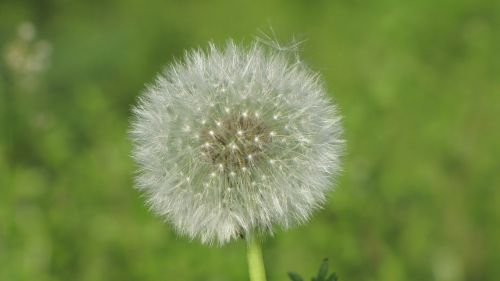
234, 142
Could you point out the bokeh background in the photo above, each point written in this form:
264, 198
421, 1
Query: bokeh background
418, 84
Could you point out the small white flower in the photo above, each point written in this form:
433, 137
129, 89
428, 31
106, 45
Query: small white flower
262, 144
26, 55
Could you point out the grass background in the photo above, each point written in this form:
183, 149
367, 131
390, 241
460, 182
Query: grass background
418, 84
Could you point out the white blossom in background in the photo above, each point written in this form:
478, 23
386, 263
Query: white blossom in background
26, 55
232, 142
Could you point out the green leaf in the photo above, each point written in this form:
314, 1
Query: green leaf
294, 276
323, 271
322, 274
332, 277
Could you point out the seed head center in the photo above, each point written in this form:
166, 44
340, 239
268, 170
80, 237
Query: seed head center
235, 143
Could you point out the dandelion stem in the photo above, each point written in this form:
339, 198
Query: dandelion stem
255, 262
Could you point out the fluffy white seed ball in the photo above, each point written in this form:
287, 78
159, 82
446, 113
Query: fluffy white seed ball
235, 141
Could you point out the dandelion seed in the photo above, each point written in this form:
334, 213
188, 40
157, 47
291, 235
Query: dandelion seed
253, 95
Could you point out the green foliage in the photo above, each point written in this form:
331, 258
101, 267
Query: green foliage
321, 276
295, 277
416, 81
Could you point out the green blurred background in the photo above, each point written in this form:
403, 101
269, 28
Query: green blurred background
418, 84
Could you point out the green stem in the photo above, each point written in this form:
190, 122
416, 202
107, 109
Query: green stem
255, 262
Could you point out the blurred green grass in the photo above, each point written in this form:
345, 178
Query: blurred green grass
418, 84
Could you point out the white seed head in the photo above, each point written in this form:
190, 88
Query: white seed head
266, 160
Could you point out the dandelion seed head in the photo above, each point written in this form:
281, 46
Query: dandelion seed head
235, 141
